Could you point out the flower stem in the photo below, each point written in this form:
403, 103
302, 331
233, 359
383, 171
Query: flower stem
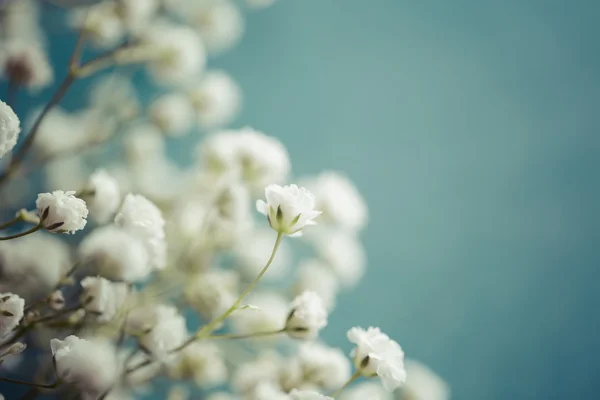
345, 385
207, 329
13, 221
18, 235
246, 335
38, 385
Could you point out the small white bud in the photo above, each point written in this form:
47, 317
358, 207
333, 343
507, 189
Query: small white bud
16, 348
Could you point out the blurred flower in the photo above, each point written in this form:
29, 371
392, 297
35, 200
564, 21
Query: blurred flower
101, 24
102, 195
316, 276
202, 362
102, 297
10, 127
217, 99
213, 292
324, 366
11, 312
173, 113
220, 23
307, 317
163, 329
345, 254
25, 63
423, 384
268, 313
61, 211
307, 395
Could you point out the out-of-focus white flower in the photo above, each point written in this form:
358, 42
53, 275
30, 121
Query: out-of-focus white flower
260, 3
341, 202
289, 208
61, 211
265, 368
117, 253
140, 216
181, 54
102, 297
89, 365
217, 99
59, 131
159, 179
267, 390
307, 395
268, 314
202, 362
220, 23
253, 251
114, 95
11, 312
31, 274
66, 172
376, 354
307, 317
173, 113
326, 367
20, 20
101, 24
260, 160
25, 63
10, 127
163, 329
423, 384
136, 14
345, 254
366, 390
316, 276
56, 301
102, 195
222, 396
143, 143
213, 292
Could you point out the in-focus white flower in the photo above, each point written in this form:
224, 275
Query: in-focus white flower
101, 23
289, 208
140, 216
103, 196
366, 390
376, 354
163, 328
265, 368
173, 113
11, 312
61, 211
268, 314
213, 292
10, 127
89, 365
345, 254
217, 99
326, 367
103, 298
181, 54
423, 384
117, 253
316, 276
201, 361
25, 63
307, 395
220, 23
307, 317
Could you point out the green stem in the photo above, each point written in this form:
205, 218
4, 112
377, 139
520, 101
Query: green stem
27, 232
18, 382
345, 385
13, 221
246, 335
210, 327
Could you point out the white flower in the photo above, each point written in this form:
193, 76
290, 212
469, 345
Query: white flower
10, 127
265, 368
164, 329
345, 254
117, 253
340, 201
423, 384
173, 113
326, 367
136, 14
220, 23
367, 390
267, 314
102, 297
104, 196
56, 301
61, 211
376, 354
11, 312
68, 171
89, 365
59, 131
25, 63
308, 316
181, 54
267, 390
114, 95
217, 99
201, 361
143, 143
316, 276
213, 292
252, 252
140, 216
289, 208
307, 395
100, 22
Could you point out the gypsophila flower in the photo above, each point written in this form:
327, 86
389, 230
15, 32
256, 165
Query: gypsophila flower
173, 113
164, 330
101, 23
423, 384
10, 127
88, 365
136, 15
25, 63
307, 395
217, 99
265, 368
326, 367
213, 292
102, 195
307, 317
11, 312
315, 275
376, 354
102, 297
202, 362
61, 211
267, 390
345, 254
367, 390
288, 209
267, 314
220, 23
56, 301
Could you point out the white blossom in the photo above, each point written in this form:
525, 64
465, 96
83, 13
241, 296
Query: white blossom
307, 317
103, 298
366, 390
11, 312
202, 362
265, 368
423, 384
69, 171
316, 276
140, 216
326, 367
102, 195
101, 23
58, 132
267, 314
117, 253
56, 301
114, 95
10, 127
253, 250
220, 23
173, 113
267, 390
24, 62
376, 354
61, 211
289, 208
217, 99
143, 143
137, 15
163, 329
345, 254
88, 365
213, 292
307, 395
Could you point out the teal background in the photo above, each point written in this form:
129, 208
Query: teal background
471, 127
